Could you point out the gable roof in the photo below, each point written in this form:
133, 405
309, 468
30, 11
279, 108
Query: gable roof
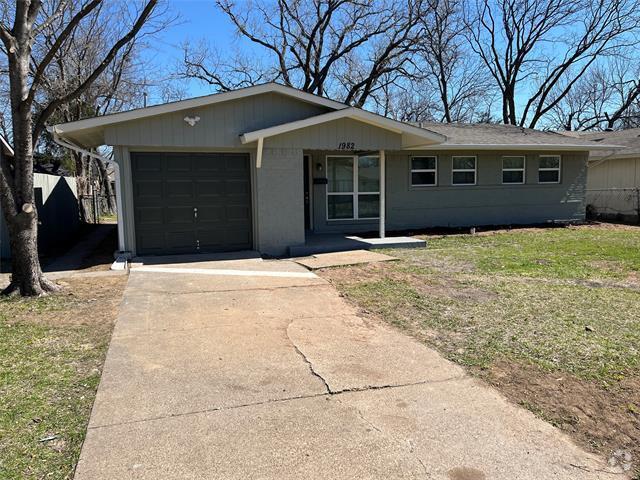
628, 139
491, 136
196, 102
93, 128
412, 136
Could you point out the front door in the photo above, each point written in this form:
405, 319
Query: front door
191, 202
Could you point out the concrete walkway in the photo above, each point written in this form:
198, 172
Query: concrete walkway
274, 376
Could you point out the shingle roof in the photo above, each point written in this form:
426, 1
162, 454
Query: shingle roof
501, 136
630, 139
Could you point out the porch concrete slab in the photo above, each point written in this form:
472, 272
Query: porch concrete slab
395, 242
173, 373
337, 259
327, 243
351, 353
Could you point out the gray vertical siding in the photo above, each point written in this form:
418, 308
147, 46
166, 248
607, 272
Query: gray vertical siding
220, 125
489, 202
330, 135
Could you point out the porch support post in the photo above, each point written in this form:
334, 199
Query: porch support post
382, 194
259, 153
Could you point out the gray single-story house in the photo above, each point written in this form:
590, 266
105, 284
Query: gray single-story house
267, 166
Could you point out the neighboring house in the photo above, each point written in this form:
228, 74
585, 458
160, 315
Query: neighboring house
265, 167
613, 182
57, 205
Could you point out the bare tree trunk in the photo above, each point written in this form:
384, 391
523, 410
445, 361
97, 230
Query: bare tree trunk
106, 187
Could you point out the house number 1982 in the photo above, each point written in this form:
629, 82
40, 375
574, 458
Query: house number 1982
346, 146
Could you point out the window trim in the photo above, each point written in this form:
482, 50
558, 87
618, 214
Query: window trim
523, 170
474, 170
354, 193
546, 169
423, 170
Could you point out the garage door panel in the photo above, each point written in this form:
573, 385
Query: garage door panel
239, 187
208, 164
238, 213
228, 240
211, 214
181, 240
176, 163
179, 216
179, 189
168, 186
149, 215
236, 163
209, 188
148, 162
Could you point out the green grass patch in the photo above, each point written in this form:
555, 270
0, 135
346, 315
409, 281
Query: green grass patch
49, 373
578, 253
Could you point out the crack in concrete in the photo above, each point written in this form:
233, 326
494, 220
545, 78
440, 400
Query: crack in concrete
307, 361
328, 394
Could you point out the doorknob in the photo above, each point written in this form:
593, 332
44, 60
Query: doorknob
195, 212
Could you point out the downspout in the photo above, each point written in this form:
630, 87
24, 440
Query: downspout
64, 143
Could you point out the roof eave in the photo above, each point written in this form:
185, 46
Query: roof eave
516, 146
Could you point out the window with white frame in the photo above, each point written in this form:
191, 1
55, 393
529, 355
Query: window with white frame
549, 169
463, 171
353, 189
513, 169
424, 171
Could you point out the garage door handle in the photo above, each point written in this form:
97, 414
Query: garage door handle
195, 212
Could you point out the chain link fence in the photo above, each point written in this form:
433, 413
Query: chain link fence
96, 206
621, 204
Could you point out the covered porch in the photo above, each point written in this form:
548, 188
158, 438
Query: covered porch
344, 156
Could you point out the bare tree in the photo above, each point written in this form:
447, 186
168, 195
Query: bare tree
531, 47
607, 98
123, 84
21, 28
342, 48
451, 69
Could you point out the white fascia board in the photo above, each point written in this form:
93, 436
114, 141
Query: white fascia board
195, 103
516, 146
350, 112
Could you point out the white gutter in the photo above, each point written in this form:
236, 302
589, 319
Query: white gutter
64, 143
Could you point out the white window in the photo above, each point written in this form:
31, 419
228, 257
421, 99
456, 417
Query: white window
424, 171
463, 170
353, 189
513, 169
549, 169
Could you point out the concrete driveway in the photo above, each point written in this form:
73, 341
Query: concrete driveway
258, 369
